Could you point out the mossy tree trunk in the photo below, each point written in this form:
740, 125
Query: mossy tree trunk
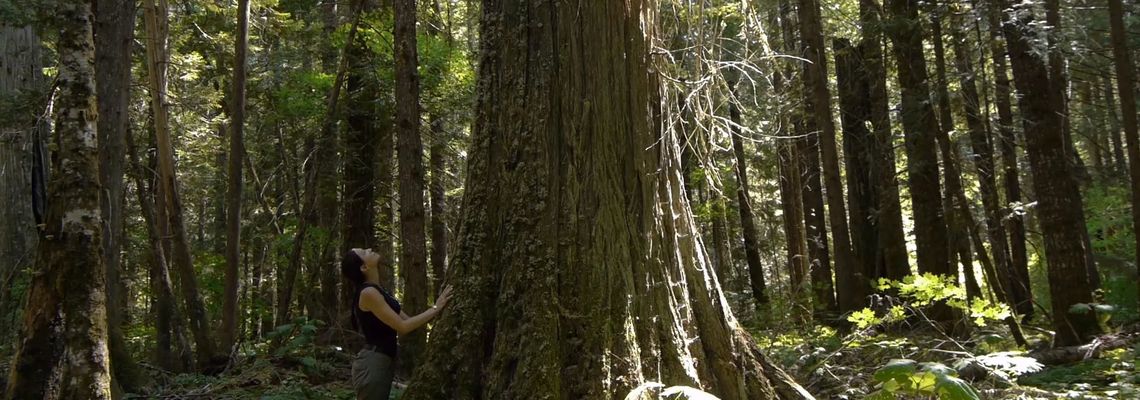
579, 272
63, 350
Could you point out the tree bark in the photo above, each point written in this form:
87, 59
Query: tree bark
172, 349
363, 104
747, 221
578, 255
437, 156
157, 58
1124, 81
892, 260
114, 35
22, 75
413, 246
1059, 205
234, 185
806, 164
62, 350
858, 143
1120, 165
1007, 150
959, 220
851, 285
920, 128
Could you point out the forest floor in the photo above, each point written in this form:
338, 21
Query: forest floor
831, 366
827, 364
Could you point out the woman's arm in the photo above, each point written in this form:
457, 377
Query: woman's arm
371, 300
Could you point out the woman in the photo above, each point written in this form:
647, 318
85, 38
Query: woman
378, 316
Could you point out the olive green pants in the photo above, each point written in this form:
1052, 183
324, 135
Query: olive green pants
372, 374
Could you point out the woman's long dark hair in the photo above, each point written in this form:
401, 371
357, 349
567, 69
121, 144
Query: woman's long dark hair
350, 267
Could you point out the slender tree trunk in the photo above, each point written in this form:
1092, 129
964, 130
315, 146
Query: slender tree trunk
62, 351
172, 349
791, 195
577, 232
806, 164
1059, 205
156, 28
413, 246
230, 310
892, 260
983, 158
852, 286
1007, 150
747, 219
114, 35
959, 220
1119, 166
21, 50
1124, 79
323, 300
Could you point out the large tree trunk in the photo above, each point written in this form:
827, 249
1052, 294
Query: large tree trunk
858, 143
1124, 79
1007, 150
322, 300
114, 36
157, 59
438, 155
582, 274
851, 286
63, 343
21, 50
234, 183
920, 129
892, 260
362, 108
1059, 204
410, 152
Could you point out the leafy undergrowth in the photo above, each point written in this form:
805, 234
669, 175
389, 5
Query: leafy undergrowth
925, 364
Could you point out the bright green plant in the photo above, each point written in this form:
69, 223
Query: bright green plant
908, 377
925, 289
671, 392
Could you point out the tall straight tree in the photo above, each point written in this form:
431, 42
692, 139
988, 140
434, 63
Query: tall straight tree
959, 220
1124, 82
579, 256
21, 78
1011, 181
859, 153
323, 214
852, 286
234, 183
64, 332
155, 17
747, 221
438, 163
1059, 205
891, 259
410, 152
920, 129
791, 191
1119, 167
806, 164
114, 36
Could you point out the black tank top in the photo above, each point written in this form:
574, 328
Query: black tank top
376, 332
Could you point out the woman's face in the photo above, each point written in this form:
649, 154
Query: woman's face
369, 257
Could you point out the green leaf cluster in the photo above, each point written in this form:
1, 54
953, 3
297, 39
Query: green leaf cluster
908, 377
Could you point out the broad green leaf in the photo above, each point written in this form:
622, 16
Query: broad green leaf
900, 369
686, 392
952, 388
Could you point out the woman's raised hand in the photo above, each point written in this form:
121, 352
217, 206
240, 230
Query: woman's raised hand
444, 296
